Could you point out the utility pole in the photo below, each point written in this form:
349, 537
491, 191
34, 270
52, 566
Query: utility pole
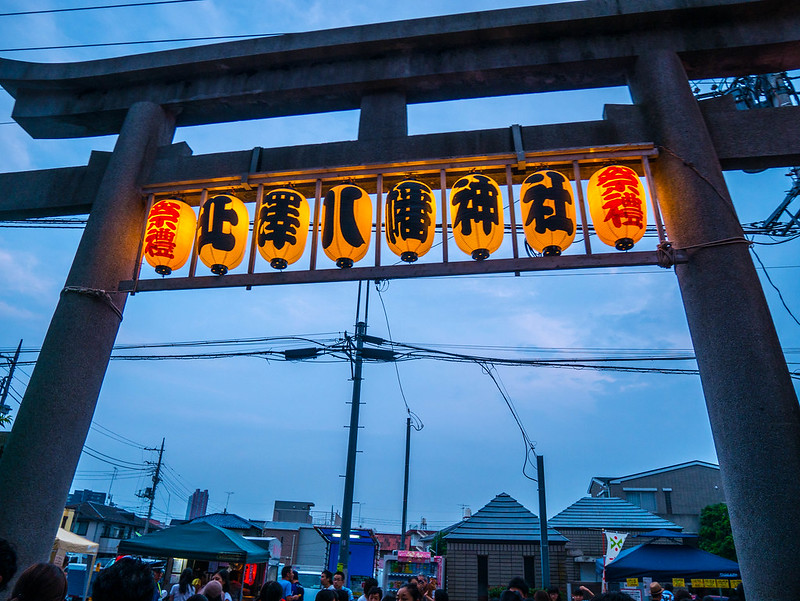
229, 493
6, 383
350, 473
405, 484
544, 544
156, 480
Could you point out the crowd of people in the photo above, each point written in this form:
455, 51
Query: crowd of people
130, 579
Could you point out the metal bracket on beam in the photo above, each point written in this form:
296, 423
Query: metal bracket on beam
255, 163
519, 150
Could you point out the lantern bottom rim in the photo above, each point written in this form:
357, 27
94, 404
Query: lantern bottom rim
409, 256
552, 251
163, 270
279, 263
624, 244
344, 263
480, 254
219, 269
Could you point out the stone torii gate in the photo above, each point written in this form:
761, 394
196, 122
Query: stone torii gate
654, 48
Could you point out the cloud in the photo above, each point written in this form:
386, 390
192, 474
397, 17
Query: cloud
19, 272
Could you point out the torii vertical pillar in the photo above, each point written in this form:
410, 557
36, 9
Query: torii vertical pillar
751, 402
49, 432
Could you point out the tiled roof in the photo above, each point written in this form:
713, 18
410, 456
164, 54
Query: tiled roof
502, 519
388, 542
606, 480
600, 512
230, 521
106, 513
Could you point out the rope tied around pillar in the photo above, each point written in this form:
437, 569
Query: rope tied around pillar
665, 255
100, 295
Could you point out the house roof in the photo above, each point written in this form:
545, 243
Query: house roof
269, 525
606, 480
387, 542
602, 512
503, 519
231, 521
98, 512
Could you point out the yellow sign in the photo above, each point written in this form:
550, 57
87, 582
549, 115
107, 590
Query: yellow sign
710, 582
632, 582
678, 582
698, 583
722, 583
735, 583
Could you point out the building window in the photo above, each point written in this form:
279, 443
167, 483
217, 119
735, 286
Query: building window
80, 527
529, 570
668, 500
644, 499
483, 578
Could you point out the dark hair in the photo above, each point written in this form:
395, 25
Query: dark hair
226, 580
286, 570
519, 582
389, 597
185, 580
369, 584
541, 596
553, 590
681, 594
413, 590
440, 595
327, 574
271, 591
125, 580
41, 582
375, 590
326, 594
616, 596
197, 597
8, 563
339, 573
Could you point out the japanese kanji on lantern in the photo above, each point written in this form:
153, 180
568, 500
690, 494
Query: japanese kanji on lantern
169, 235
410, 212
476, 212
281, 227
548, 212
617, 204
346, 224
222, 233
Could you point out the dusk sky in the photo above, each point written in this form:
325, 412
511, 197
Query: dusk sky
270, 430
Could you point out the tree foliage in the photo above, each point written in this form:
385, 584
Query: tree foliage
438, 545
715, 531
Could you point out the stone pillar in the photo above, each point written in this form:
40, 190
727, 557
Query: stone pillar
50, 429
752, 405
383, 115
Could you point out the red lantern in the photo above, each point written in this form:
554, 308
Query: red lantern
548, 212
617, 204
169, 235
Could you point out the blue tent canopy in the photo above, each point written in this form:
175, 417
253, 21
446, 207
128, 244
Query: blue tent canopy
663, 562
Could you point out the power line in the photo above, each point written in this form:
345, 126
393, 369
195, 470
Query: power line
81, 8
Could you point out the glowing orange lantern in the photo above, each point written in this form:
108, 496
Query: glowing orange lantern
281, 227
548, 212
617, 203
169, 235
222, 233
346, 224
476, 211
410, 212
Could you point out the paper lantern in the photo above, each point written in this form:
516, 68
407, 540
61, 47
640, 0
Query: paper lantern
281, 227
346, 224
548, 212
222, 233
617, 204
410, 219
169, 235
476, 212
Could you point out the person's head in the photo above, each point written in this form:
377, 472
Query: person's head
271, 591
518, 584
325, 594
409, 592
8, 563
541, 596
341, 595
224, 579
577, 594
125, 580
213, 590
616, 596
338, 580
433, 584
295, 576
286, 573
510, 595
656, 591
555, 594
158, 571
440, 595
682, 594
41, 582
185, 580
367, 584
422, 584
389, 597
326, 578
374, 594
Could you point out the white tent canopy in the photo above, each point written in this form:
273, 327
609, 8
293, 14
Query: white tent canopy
72, 543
